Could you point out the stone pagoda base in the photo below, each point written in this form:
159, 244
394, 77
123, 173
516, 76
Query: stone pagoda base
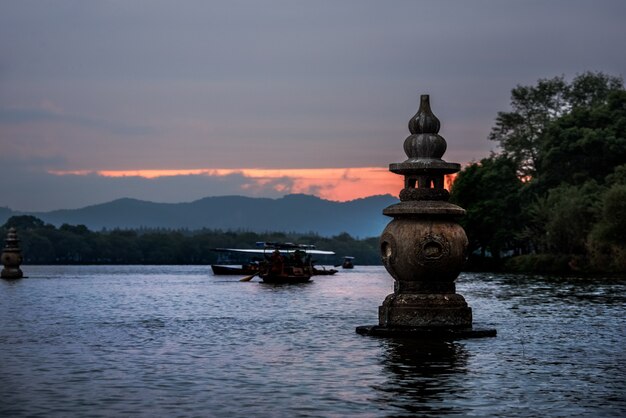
425, 310
425, 316
12, 273
442, 333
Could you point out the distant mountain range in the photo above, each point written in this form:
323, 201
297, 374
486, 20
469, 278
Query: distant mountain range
292, 213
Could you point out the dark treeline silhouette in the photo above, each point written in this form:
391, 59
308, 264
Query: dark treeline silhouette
43, 243
553, 199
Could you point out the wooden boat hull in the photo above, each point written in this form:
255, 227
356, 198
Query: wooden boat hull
323, 272
284, 279
287, 275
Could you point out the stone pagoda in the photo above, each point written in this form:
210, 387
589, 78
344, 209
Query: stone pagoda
423, 247
11, 257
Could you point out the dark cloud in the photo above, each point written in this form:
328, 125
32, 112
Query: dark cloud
26, 188
154, 84
36, 115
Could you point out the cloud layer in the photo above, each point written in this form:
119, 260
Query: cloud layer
73, 189
156, 85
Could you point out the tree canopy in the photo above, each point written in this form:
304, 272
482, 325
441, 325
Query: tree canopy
488, 190
519, 132
556, 187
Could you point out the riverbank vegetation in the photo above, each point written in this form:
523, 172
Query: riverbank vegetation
43, 243
553, 198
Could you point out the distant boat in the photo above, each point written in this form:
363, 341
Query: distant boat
323, 271
347, 262
281, 263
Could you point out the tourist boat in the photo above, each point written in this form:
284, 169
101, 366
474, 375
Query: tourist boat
243, 270
283, 262
347, 262
251, 268
230, 264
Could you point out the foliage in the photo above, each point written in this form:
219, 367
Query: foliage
567, 143
520, 131
26, 222
489, 191
569, 214
607, 240
587, 143
75, 244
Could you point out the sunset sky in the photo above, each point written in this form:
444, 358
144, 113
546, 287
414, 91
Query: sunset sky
172, 101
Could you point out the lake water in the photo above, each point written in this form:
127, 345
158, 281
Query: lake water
177, 341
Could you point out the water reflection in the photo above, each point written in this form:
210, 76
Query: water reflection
421, 375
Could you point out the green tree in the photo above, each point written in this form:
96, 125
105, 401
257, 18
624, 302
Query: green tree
611, 227
592, 89
77, 229
607, 240
489, 191
519, 132
585, 144
37, 249
533, 107
569, 216
120, 247
25, 222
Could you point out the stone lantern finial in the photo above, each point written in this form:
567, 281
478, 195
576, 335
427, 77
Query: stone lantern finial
423, 247
424, 127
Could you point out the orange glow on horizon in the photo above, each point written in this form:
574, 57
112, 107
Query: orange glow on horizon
338, 184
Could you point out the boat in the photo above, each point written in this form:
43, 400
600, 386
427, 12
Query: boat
323, 271
283, 262
286, 274
347, 262
251, 268
243, 270
230, 264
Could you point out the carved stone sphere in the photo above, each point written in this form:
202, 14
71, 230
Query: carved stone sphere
11, 259
423, 250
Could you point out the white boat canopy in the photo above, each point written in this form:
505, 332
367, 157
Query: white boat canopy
271, 250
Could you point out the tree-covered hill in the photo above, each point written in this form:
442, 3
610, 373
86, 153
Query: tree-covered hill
44, 243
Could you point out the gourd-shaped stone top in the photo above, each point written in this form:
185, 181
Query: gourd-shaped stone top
424, 121
424, 143
424, 170
424, 147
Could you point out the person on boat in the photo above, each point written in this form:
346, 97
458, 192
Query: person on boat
276, 262
297, 256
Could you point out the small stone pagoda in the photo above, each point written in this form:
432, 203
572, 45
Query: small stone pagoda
11, 257
423, 247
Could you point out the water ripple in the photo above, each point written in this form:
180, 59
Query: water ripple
175, 341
